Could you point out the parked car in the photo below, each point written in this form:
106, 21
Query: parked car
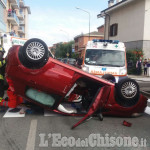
35, 76
60, 59
70, 61
65, 60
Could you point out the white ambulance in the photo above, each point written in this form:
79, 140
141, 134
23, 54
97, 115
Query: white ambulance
106, 59
8, 41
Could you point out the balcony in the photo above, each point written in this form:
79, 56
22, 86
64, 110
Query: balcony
20, 16
22, 23
21, 3
14, 4
21, 30
13, 19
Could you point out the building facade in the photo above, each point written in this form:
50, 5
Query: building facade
81, 41
128, 21
14, 18
3, 4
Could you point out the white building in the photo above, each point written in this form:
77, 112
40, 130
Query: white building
129, 22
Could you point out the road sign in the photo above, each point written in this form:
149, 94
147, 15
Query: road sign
67, 54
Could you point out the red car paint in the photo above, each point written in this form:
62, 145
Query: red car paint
58, 78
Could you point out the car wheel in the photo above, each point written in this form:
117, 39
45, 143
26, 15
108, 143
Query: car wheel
34, 54
109, 77
127, 92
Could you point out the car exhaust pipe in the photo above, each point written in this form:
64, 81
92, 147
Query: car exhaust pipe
136, 115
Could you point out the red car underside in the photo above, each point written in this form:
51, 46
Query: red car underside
57, 79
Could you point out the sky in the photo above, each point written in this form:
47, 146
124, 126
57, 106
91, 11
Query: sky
56, 21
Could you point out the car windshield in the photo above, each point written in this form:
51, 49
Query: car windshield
102, 57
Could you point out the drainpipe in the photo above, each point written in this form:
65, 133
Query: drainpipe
108, 24
105, 30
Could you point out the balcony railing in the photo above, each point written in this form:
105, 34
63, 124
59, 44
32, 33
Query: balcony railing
22, 3
20, 15
21, 30
13, 18
14, 4
21, 22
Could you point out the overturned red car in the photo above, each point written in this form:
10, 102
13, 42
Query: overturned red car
33, 75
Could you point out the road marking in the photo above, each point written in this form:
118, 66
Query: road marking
149, 100
13, 114
32, 135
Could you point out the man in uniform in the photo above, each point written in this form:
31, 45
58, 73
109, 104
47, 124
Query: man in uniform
2, 72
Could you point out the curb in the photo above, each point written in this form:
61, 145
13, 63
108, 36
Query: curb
140, 80
147, 94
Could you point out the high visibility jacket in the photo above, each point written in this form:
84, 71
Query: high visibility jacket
2, 69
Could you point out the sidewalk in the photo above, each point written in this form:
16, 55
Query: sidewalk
140, 77
143, 89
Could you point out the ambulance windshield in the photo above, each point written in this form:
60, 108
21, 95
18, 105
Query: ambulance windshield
102, 57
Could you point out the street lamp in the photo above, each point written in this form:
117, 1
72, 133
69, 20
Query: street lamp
89, 18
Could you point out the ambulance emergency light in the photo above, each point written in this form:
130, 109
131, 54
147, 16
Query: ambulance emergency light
108, 41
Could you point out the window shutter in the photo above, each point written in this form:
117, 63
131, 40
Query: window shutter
113, 29
116, 29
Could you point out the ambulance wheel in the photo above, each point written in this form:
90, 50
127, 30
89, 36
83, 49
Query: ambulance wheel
34, 54
127, 92
109, 77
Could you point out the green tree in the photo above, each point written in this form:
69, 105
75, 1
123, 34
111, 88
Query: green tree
132, 57
63, 48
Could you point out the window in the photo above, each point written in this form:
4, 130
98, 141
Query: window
101, 57
114, 29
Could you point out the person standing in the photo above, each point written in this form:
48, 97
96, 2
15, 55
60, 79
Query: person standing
145, 66
138, 66
2, 72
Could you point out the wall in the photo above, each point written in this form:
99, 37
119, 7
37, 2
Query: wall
130, 19
26, 22
80, 43
147, 21
146, 42
101, 29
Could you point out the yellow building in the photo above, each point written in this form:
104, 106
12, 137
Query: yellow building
14, 17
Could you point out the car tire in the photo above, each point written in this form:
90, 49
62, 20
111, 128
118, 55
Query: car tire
109, 77
127, 92
34, 54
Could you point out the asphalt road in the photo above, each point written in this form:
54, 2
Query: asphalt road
25, 133
145, 87
31, 132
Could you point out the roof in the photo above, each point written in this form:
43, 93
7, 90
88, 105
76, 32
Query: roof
100, 26
115, 6
28, 8
94, 33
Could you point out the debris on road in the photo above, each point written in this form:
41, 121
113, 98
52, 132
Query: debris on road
128, 124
